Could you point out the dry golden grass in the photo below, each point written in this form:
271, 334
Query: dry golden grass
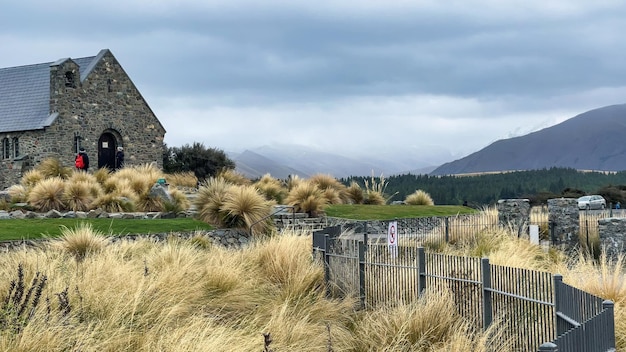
419, 197
181, 296
48, 194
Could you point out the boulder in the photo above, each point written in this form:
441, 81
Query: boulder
160, 191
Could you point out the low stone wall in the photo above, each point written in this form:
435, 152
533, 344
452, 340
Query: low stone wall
230, 238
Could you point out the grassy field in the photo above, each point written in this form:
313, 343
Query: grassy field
14, 229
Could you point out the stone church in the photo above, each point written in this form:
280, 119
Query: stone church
53, 109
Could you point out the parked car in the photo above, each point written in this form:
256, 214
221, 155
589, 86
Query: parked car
591, 202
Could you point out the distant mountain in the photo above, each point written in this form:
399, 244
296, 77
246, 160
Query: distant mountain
594, 140
280, 161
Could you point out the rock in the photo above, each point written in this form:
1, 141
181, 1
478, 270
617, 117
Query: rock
17, 214
160, 191
4, 215
5, 196
53, 214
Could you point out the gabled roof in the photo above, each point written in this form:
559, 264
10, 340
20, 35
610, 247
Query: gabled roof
25, 93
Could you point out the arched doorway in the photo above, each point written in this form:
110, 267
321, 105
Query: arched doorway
106, 151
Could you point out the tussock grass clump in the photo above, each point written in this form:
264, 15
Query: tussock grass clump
80, 176
355, 193
77, 196
81, 241
244, 206
53, 167
210, 199
375, 191
182, 179
180, 201
114, 203
307, 198
419, 197
234, 177
271, 188
48, 194
102, 174
18, 193
31, 178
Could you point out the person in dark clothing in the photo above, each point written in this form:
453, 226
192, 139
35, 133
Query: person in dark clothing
82, 160
119, 158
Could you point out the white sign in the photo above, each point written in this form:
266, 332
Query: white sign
392, 238
534, 234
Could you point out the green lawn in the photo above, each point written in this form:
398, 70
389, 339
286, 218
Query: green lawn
37, 228
389, 212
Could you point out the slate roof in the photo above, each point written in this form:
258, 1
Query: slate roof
25, 94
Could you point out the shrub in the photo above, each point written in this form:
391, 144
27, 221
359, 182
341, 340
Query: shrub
48, 195
419, 197
77, 196
244, 206
203, 162
81, 240
52, 167
307, 198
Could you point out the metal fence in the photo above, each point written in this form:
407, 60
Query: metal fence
536, 310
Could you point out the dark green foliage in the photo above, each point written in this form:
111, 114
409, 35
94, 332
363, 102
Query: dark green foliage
536, 185
202, 161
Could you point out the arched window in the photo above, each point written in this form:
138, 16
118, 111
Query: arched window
6, 151
16, 147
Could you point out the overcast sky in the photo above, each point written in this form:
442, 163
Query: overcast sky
352, 77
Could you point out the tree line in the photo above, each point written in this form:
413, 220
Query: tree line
485, 189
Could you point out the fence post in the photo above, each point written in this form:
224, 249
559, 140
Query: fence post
558, 280
327, 264
609, 305
362, 274
548, 347
421, 270
486, 279
447, 223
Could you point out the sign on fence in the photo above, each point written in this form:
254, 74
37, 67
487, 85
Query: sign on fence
534, 234
392, 238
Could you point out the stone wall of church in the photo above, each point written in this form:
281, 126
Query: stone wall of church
107, 101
